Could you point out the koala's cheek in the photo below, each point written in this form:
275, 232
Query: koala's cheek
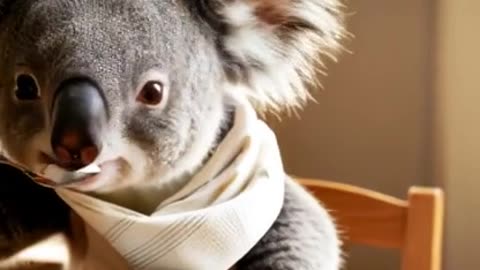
20, 125
18, 152
134, 165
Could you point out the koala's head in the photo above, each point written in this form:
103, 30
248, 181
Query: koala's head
138, 86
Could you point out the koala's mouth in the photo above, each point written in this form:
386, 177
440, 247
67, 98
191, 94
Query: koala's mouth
57, 175
52, 161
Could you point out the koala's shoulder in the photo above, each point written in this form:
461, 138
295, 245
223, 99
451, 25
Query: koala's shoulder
303, 237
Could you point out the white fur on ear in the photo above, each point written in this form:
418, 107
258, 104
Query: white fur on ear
278, 46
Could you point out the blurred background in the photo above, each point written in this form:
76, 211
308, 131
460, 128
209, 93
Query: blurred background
403, 109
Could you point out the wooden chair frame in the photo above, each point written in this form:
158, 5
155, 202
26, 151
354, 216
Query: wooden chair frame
414, 226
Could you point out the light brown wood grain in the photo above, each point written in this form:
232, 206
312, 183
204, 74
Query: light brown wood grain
414, 226
363, 216
423, 237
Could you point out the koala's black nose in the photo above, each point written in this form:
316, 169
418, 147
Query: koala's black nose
78, 119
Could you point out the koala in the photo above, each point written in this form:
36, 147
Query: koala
139, 88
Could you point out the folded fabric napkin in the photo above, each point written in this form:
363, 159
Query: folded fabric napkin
211, 223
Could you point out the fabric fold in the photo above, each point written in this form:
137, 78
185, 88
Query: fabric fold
212, 222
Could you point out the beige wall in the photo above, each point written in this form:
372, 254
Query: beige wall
458, 128
371, 126
403, 109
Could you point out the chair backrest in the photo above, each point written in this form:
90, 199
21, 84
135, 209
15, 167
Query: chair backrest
415, 225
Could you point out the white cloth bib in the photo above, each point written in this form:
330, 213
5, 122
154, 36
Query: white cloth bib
211, 223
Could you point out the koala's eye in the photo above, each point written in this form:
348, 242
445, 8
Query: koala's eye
151, 94
26, 88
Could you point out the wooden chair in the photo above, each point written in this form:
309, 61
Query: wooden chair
415, 225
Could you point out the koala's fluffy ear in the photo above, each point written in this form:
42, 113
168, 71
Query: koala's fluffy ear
276, 47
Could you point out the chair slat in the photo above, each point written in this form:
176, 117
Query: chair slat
362, 216
414, 226
423, 239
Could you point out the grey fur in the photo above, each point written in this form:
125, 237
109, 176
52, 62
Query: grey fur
302, 238
188, 42
113, 43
